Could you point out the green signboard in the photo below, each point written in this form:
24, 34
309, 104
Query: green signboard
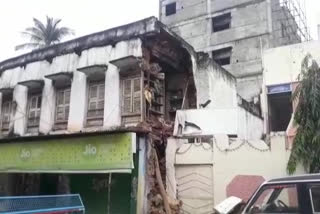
103, 153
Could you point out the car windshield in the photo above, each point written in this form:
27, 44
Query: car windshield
275, 199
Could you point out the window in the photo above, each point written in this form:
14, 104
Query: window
280, 111
275, 199
6, 114
222, 56
315, 198
131, 96
222, 22
62, 106
62, 84
34, 110
95, 103
171, 9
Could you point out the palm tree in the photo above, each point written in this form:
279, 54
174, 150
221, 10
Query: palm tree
43, 35
306, 146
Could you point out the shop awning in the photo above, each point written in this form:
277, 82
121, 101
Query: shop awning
86, 154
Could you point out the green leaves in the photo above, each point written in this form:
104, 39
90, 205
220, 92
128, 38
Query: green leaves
306, 147
42, 35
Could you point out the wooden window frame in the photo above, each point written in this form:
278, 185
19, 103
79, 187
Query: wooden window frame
97, 84
4, 114
65, 104
133, 95
37, 110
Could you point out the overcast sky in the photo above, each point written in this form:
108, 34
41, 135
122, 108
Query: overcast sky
87, 16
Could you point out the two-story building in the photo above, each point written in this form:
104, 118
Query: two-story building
70, 114
89, 115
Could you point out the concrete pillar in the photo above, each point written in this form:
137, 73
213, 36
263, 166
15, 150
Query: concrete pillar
112, 105
47, 107
77, 102
20, 96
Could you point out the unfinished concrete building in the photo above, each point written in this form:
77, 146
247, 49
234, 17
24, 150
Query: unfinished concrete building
235, 32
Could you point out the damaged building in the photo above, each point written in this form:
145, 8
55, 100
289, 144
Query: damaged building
92, 116
145, 111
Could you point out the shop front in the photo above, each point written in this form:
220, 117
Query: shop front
102, 169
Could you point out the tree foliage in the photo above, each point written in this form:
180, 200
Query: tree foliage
44, 34
306, 146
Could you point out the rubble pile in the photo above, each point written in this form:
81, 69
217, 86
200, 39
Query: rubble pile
158, 200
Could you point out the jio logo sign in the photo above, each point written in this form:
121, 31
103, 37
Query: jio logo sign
90, 150
25, 154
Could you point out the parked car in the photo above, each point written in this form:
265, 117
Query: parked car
296, 194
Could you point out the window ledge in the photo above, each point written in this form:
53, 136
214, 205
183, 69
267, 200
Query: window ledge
93, 129
94, 72
4, 133
125, 63
33, 84
59, 132
31, 134
61, 79
6, 91
5, 129
94, 118
61, 123
130, 114
60, 126
33, 126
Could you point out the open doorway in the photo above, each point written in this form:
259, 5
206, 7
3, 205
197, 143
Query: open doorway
280, 111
